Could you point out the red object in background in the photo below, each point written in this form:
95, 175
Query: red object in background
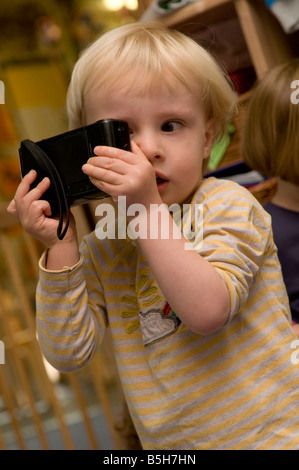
243, 79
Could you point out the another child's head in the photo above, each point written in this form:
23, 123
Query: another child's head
270, 141
141, 57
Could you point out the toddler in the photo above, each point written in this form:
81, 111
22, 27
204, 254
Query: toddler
202, 337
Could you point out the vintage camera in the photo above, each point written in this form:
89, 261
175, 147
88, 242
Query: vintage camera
61, 158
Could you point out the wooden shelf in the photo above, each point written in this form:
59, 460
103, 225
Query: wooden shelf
265, 39
201, 11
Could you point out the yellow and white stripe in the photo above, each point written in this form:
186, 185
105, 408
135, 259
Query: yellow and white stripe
234, 389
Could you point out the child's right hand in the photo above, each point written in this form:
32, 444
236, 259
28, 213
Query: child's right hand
34, 213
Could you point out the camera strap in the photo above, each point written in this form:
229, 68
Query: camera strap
49, 168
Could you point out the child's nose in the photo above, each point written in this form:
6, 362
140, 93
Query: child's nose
148, 142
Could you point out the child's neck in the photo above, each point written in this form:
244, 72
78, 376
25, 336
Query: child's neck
287, 195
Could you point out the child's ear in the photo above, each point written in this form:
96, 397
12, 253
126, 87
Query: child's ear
209, 137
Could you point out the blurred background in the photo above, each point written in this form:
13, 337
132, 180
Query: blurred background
40, 40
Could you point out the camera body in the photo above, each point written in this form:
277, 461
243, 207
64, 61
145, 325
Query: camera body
61, 158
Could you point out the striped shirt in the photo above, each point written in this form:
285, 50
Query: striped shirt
237, 388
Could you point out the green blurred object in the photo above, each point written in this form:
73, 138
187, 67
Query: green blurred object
219, 148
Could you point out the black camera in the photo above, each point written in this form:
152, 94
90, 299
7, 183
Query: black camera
61, 158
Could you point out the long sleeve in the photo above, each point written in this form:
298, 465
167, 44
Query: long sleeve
71, 318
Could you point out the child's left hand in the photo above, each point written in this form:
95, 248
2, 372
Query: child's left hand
118, 172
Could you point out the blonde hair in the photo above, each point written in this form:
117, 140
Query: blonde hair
270, 141
156, 55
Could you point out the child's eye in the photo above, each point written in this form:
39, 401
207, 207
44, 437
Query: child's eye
171, 126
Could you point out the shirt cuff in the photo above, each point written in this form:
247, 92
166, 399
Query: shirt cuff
43, 261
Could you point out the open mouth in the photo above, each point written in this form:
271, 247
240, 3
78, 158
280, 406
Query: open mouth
162, 183
160, 180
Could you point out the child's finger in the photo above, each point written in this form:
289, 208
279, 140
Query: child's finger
12, 208
24, 186
106, 163
102, 174
42, 207
37, 192
113, 152
135, 149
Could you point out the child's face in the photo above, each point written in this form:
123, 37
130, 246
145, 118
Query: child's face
170, 129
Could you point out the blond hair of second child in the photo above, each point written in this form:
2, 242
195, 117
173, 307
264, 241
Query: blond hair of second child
271, 146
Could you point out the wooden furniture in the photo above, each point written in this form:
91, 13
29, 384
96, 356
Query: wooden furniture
267, 44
